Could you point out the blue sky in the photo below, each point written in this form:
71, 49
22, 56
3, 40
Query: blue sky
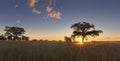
54, 24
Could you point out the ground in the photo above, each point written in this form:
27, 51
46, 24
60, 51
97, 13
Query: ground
59, 51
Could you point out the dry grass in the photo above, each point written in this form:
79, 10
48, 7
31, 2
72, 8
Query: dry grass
58, 51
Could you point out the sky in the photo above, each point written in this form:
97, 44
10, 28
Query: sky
52, 19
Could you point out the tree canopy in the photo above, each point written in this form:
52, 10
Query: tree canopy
84, 29
14, 32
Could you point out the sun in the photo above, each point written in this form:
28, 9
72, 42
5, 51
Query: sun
79, 39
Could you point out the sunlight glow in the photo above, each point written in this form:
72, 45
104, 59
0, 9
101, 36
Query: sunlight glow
79, 39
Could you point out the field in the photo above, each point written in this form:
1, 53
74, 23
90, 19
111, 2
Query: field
59, 51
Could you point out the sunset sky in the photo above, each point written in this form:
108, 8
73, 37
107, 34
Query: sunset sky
51, 19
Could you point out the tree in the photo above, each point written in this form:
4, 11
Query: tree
25, 38
13, 33
67, 39
85, 29
9, 36
2, 37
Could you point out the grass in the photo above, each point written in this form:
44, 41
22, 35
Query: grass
58, 51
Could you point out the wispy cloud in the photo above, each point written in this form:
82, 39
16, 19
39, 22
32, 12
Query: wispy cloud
36, 11
16, 6
54, 14
18, 21
50, 8
32, 3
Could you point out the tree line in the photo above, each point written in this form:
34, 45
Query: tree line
80, 29
14, 33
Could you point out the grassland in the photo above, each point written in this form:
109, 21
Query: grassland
58, 51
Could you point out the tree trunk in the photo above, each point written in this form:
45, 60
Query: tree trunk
83, 39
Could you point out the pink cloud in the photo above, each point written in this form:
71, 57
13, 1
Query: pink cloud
49, 8
36, 11
52, 13
32, 3
55, 14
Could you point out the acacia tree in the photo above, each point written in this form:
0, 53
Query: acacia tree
14, 32
2, 37
84, 29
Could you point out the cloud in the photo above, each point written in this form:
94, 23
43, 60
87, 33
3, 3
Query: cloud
18, 21
55, 14
49, 8
32, 3
52, 13
36, 11
16, 6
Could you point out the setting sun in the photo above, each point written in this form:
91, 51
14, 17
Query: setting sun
79, 39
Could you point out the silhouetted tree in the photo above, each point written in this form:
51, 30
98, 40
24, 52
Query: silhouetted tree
67, 39
2, 37
34, 40
12, 33
73, 38
9, 36
25, 38
85, 29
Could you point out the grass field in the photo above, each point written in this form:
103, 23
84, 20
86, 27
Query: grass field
59, 51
